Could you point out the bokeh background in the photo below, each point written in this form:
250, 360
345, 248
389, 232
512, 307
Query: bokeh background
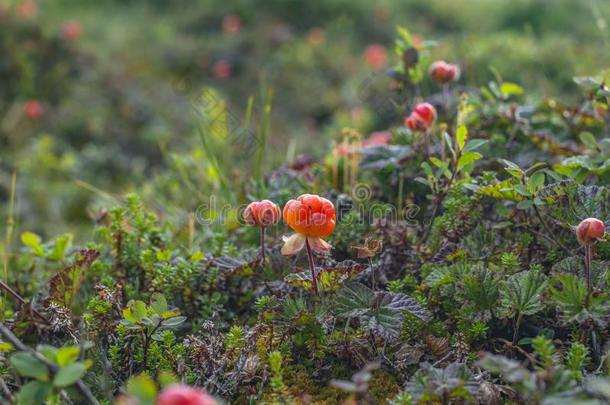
99, 98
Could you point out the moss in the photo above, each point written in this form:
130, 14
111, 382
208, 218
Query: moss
383, 385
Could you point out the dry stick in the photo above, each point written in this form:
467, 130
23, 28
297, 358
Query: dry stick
12, 339
551, 236
314, 282
7, 393
19, 298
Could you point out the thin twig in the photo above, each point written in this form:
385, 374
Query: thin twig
19, 298
550, 232
439, 200
6, 391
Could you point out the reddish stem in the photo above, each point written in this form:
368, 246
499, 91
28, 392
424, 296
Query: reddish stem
263, 245
588, 274
314, 282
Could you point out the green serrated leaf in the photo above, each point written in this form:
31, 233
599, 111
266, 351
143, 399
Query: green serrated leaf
353, 300
522, 293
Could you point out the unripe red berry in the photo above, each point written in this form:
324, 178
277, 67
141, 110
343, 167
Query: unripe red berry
222, 70
33, 110
422, 117
444, 72
415, 123
426, 111
378, 138
27, 9
589, 230
184, 395
71, 30
376, 56
231, 24
262, 213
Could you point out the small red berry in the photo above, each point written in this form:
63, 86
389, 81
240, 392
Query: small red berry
33, 110
414, 123
378, 138
71, 30
316, 36
376, 56
589, 230
262, 213
27, 9
444, 72
222, 70
422, 117
231, 24
426, 111
184, 395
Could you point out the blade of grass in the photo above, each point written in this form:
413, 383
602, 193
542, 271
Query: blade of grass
8, 241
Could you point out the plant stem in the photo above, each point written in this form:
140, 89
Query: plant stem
516, 329
372, 273
440, 197
401, 184
312, 267
10, 224
263, 245
588, 253
446, 99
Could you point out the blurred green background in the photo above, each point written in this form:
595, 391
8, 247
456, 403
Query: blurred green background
98, 98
